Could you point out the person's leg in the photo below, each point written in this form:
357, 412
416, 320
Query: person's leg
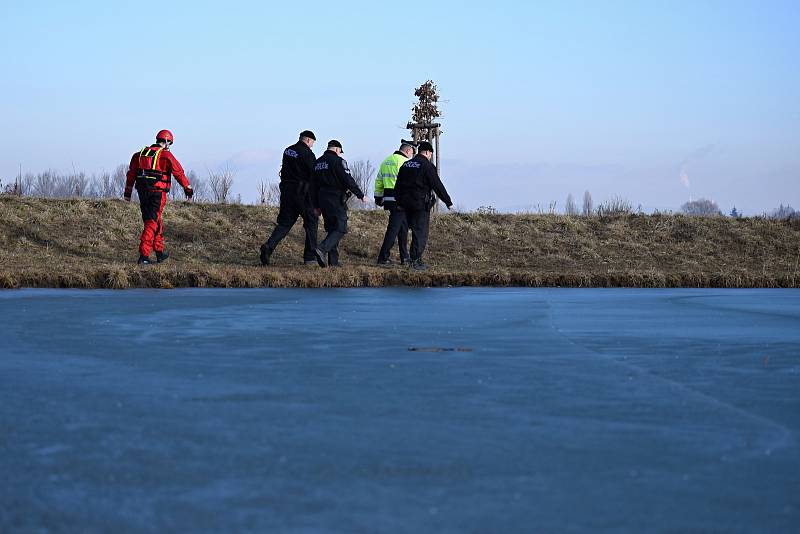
327, 223
337, 230
335, 216
423, 224
402, 236
396, 219
158, 240
149, 203
388, 241
311, 227
333, 257
412, 216
287, 216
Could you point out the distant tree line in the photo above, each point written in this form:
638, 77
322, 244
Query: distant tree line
620, 206
52, 184
217, 186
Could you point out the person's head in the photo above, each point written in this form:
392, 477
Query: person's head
426, 149
308, 137
335, 146
165, 138
407, 149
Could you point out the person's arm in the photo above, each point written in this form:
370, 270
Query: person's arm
177, 171
438, 187
345, 178
130, 177
309, 161
314, 192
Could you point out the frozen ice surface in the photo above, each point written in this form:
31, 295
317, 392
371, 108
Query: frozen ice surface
304, 410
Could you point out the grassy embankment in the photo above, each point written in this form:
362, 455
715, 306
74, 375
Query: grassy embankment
92, 244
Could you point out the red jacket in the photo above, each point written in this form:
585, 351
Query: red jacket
154, 166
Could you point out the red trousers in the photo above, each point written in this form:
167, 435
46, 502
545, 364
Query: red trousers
152, 205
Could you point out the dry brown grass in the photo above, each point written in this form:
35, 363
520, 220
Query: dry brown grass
92, 244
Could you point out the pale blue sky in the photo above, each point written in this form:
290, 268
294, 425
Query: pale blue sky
542, 99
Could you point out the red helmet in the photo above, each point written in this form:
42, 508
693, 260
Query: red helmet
166, 135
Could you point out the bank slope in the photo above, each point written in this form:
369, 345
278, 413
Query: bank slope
92, 244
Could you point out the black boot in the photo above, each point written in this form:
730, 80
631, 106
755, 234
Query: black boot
144, 260
161, 256
320, 257
265, 254
418, 265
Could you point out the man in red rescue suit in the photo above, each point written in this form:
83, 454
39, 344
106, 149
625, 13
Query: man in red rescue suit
151, 170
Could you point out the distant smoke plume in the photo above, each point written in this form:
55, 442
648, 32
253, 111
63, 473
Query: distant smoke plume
695, 156
685, 179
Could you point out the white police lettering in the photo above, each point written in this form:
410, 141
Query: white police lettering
321, 166
291, 153
412, 164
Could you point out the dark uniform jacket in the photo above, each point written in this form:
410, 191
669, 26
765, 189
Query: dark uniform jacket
332, 177
297, 169
416, 182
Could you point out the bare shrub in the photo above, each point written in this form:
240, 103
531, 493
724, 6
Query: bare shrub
362, 172
615, 206
570, 208
176, 192
119, 177
77, 185
51, 184
12, 188
588, 205
104, 186
22, 185
220, 184
701, 207
116, 186
44, 184
199, 186
784, 212
269, 193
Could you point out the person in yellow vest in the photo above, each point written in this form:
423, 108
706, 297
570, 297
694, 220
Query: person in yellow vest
397, 229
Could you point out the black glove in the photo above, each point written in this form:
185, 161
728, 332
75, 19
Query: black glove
189, 192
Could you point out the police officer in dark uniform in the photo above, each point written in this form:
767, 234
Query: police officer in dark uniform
334, 186
397, 228
416, 184
297, 172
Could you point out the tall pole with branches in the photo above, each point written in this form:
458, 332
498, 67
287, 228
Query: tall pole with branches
424, 112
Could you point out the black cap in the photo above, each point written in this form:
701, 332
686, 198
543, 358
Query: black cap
425, 146
309, 134
404, 142
334, 143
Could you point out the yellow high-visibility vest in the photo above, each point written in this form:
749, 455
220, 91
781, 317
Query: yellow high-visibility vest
387, 177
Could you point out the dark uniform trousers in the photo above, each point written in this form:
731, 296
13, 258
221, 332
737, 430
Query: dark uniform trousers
397, 229
295, 203
333, 205
418, 223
